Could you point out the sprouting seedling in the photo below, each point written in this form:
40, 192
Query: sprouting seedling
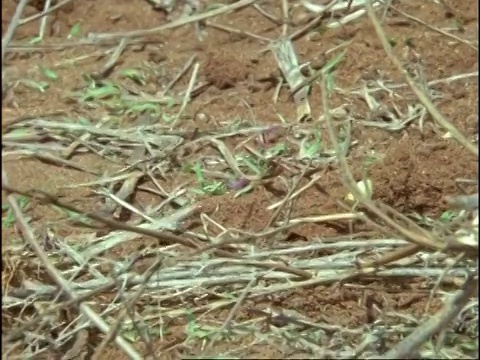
256, 166
327, 70
444, 218
75, 31
139, 107
72, 216
275, 151
41, 86
101, 92
239, 123
171, 102
392, 41
134, 74
409, 42
35, 40
187, 167
423, 220
84, 121
167, 118
212, 188
49, 73
196, 331
130, 333
371, 158
447, 216
329, 82
310, 149
197, 169
9, 219
20, 133
333, 62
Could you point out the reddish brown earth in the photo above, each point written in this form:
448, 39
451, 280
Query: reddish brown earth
417, 168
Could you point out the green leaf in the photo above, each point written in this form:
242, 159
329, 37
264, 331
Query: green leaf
275, 150
197, 169
73, 216
75, 31
447, 216
142, 107
215, 188
308, 149
332, 63
256, 168
40, 86
84, 121
20, 132
9, 219
35, 40
101, 93
48, 73
134, 74
392, 41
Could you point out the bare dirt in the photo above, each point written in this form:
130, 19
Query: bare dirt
415, 168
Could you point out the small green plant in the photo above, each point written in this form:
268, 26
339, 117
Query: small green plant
206, 187
197, 331
117, 101
134, 74
139, 107
9, 219
49, 73
41, 86
35, 40
310, 149
371, 158
447, 216
75, 31
274, 151
100, 91
422, 219
328, 68
333, 62
257, 166
409, 42
84, 121
444, 218
73, 216
392, 41
238, 124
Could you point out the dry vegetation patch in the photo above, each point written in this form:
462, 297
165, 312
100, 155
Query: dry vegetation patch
239, 179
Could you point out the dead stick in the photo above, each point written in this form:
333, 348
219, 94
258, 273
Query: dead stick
174, 24
12, 26
55, 274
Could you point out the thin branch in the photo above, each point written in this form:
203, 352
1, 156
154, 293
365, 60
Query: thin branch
438, 322
174, 24
436, 115
11, 27
55, 274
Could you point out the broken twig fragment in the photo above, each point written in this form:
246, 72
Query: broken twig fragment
288, 64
